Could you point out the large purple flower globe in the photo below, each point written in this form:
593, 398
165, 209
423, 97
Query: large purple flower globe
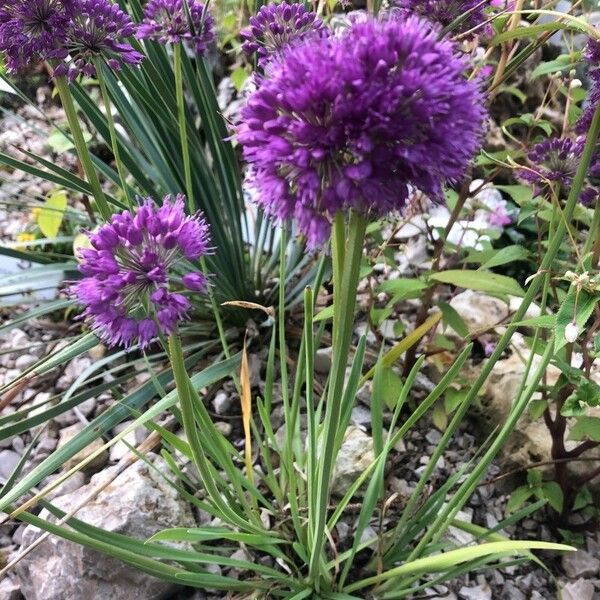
126, 289
358, 120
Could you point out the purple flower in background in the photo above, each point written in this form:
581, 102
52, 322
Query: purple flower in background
125, 289
555, 161
178, 21
355, 121
499, 217
445, 12
32, 30
96, 30
277, 26
592, 56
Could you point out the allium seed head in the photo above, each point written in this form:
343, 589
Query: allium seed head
33, 30
355, 121
125, 290
277, 26
177, 21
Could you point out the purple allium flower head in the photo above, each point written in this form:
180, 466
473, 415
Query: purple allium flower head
446, 12
32, 30
555, 161
97, 29
592, 56
125, 289
277, 26
176, 21
354, 121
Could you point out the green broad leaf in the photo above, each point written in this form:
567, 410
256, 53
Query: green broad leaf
586, 428
514, 91
51, 216
390, 383
239, 77
439, 416
579, 305
481, 281
60, 143
401, 288
597, 343
520, 194
586, 394
584, 498
451, 318
552, 492
326, 313
534, 477
544, 321
518, 498
454, 398
532, 31
537, 408
563, 63
506, 255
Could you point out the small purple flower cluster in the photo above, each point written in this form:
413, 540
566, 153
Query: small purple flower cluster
125, 288
96, 30
592, 56
277, 26
178, 21
75, 33
554, 161
357, 121
445, 12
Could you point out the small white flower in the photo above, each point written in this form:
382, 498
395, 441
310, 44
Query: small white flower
571, 332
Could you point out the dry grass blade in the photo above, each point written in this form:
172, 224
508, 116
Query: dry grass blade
246, 402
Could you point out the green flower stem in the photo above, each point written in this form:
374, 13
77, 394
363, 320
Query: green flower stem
82, 150
182, 382
347, 253
189, 187
592, 242
112, 130
185, 151
288, 484
445, 517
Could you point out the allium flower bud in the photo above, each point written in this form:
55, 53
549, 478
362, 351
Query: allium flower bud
169, 21
277, 26
358, 120
571, 332
592, 56
125, 289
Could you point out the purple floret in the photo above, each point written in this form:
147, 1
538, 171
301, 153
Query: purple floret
125, 289
169, 21
33, 30
554, 162
97, 30
446, 12
277, 26
356, 121
592, 56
